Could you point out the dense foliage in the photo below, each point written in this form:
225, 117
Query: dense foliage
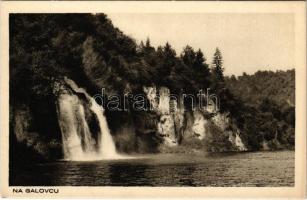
90, 50
269, 99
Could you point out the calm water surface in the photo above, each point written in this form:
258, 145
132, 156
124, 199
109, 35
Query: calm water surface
225, 169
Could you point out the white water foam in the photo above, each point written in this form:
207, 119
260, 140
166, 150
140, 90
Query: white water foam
78, 141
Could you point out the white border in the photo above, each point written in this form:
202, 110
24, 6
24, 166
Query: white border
297, 8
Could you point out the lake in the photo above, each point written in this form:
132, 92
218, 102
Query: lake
217, 169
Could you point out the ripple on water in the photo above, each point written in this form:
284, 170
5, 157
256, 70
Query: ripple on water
236, 169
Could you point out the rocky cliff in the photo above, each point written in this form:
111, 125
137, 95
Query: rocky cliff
171, 126
177, 126
52, 118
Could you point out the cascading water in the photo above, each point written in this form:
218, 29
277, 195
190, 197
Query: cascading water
72, 147
107, 147
78, 141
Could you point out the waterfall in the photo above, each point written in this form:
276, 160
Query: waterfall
79, 142
107, 147
72, 147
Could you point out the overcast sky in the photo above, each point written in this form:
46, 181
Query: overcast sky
249, 42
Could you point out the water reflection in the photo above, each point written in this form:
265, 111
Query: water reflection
249, 169
185, 176
133, 175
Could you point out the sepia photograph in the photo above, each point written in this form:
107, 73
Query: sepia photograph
185, 99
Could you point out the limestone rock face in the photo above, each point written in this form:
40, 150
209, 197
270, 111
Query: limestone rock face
214, 129
236, 141
22, 120
200, 125
167, 120
26, 135
223, 122
170, 114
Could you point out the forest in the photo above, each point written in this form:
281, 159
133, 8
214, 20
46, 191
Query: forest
87, 48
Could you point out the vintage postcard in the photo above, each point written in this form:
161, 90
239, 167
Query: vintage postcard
153, 99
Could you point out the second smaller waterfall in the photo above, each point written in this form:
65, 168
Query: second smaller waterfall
107, 149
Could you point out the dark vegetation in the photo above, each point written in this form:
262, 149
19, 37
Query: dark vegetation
90, 50
269, 105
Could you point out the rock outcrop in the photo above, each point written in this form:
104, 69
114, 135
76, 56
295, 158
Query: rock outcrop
25, 136
176, 124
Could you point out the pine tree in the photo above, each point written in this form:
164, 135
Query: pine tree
199, 58
140, 48
188, 56
169, 52
142, 44
148, 48
147, 44
202, 68
218, 65
166, 61
200, 62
